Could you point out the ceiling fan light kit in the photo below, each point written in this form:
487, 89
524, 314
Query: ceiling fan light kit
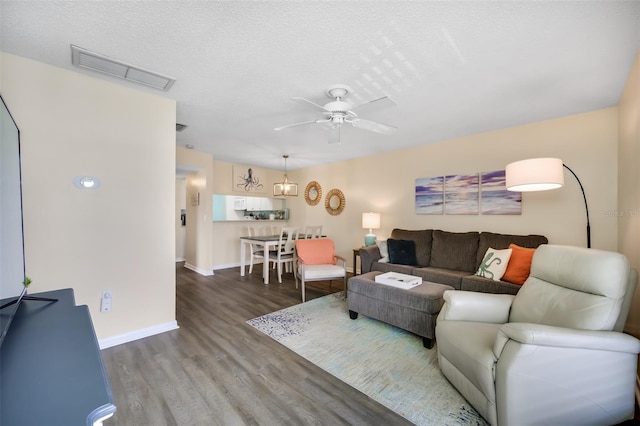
339, 112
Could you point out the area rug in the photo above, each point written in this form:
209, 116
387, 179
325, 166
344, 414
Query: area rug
386, 363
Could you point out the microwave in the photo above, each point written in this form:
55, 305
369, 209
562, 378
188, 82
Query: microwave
240, 203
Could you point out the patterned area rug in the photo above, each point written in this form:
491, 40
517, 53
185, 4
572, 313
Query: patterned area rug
386, 363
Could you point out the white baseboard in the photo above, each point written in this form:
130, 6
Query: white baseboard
198, 270
137, 334
180, 259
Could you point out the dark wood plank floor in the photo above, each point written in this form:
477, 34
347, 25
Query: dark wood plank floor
217, 370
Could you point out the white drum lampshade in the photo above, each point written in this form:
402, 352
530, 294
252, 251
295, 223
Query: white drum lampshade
534, 174
541, 174
370, 221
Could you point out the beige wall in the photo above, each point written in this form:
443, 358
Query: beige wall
629, 183
198, 239
181, 231
226, 235
385, 183
119, 237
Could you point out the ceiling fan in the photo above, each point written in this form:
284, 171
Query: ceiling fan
339, 112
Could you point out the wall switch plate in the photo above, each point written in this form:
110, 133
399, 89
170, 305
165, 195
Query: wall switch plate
105, 302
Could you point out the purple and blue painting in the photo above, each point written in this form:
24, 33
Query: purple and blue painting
461, 194
495, 197
430, 195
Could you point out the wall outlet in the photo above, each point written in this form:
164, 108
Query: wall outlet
105, 302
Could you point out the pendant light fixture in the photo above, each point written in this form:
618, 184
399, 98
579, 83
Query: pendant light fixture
285, 188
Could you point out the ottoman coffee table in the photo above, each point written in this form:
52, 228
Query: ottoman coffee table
414, 310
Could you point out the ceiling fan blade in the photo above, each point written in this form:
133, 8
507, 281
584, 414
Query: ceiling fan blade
383, 102
334, 133
373, 126
320, 107
296, 124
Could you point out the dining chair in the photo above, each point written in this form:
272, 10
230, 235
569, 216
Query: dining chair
316, 260
313, 231
256, 250
286, 247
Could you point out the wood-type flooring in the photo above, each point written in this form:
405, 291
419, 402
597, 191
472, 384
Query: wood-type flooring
217, 370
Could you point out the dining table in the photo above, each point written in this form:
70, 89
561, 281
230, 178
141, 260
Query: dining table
268, 242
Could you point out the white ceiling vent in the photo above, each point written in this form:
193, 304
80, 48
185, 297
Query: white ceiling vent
93, 61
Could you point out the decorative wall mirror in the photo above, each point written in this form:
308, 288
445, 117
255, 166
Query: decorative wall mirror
334, 203
313, 193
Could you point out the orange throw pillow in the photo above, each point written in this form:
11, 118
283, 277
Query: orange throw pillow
519, 265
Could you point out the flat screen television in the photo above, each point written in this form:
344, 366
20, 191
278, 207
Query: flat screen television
12, 266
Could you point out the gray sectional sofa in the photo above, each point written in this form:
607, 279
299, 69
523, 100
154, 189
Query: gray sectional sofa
450, 258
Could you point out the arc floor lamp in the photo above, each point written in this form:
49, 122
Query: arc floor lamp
541, 174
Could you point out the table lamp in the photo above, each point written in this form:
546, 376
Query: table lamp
371, 221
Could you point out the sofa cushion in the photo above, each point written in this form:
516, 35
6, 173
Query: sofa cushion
402, 252
573, 287
391, 267
422, 238
502, 241
442, 276
486, 285
455, 250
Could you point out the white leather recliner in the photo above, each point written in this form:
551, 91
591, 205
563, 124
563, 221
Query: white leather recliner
554, 353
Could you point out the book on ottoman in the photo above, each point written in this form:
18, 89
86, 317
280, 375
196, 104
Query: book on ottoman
396, 279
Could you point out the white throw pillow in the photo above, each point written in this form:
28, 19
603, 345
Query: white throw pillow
384, 251
494, 264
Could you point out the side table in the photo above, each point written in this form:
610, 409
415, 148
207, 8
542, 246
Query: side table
356, 254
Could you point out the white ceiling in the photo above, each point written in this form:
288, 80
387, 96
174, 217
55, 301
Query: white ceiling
453, 68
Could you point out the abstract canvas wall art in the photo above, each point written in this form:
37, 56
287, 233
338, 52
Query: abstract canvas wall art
461, 194
430, 195
494, 197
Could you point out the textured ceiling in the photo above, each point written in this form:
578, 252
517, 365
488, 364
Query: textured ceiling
453, 68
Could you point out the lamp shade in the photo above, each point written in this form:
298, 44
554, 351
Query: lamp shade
371, 220
285, 188
535, 174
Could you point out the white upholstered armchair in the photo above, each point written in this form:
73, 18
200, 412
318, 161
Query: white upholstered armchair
552, 354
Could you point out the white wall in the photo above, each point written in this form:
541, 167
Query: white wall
120, 237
